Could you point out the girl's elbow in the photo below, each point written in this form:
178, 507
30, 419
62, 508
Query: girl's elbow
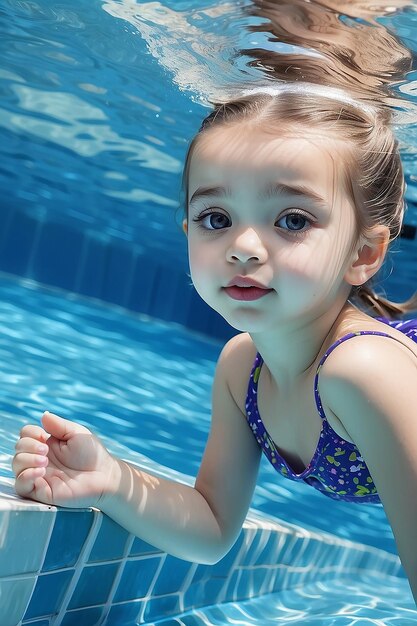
214, 556
219, 551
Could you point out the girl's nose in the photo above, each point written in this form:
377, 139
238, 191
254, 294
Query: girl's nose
247, 246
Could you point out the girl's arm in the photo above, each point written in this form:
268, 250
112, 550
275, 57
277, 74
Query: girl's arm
198, 523
371, 386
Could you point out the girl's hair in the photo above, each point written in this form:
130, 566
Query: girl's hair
373, 172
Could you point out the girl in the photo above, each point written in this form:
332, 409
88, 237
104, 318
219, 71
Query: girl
293, 194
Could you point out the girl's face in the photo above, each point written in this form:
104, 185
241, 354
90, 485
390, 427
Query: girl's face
271, 229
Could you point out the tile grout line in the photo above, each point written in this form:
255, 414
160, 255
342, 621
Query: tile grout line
109, 603
186, 585
148, 595
79, 567
42, 561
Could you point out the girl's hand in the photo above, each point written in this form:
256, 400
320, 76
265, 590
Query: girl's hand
62, 464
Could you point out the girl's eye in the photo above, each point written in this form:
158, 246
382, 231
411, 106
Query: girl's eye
213, 220
293, 222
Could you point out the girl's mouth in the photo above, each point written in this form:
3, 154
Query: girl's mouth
246, 294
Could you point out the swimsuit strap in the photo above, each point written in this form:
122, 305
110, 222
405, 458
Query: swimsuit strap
329, 351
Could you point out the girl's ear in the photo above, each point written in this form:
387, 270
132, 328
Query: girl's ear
185, 226
368, 256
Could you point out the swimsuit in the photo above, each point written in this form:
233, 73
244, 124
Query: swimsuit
337, 468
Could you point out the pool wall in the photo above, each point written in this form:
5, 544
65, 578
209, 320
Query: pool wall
64, 567
92, 264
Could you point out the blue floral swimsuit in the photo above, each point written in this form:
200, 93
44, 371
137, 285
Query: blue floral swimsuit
337, 468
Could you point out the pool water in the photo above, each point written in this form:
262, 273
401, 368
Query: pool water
93, 131
144, 387
141, 385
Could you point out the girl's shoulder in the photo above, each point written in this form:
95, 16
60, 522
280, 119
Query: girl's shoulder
369, 353
368, 338
235, 365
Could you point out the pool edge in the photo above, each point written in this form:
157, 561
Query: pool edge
63, 566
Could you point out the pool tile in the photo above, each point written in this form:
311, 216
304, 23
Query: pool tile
260, 576
308, 551
278, 579
252, 541
141, 547
94, 585
199, 314
188, 619
83, 617
57, 241
290, 551
225, 565
214, 587
17, 247
194, 595
48, 594
202, 572
119, 265
183, 294
232, 584
163, 303
142, 285
14, 597
156, 608
125, 614
93, 262
220, 329
204, 593
7, 212
24, 535
70, 531
269, 549
136, 579
245, 585
110, 542
172, 576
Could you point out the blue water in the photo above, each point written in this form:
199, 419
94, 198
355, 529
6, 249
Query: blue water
93, 131
144, 387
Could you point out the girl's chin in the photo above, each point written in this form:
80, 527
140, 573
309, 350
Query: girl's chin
249, 321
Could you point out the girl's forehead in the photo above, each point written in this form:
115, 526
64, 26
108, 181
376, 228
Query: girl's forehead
249, 157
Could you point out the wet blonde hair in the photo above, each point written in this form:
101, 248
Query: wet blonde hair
372, 170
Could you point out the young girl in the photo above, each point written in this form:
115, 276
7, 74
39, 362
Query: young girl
292, 197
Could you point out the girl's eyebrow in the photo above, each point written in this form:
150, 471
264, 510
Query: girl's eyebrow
271, 190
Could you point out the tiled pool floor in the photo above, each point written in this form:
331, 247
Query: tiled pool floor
340, 601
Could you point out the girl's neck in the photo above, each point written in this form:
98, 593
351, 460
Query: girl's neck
291, 353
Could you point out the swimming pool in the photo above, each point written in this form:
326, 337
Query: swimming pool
144, 386
93, 134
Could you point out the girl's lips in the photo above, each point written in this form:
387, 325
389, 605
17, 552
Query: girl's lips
246, 294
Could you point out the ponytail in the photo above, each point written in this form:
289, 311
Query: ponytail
376, 305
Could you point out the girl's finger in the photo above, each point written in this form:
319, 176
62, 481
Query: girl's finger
28, 444
61, 428
25, 482
35, 432
23, 461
